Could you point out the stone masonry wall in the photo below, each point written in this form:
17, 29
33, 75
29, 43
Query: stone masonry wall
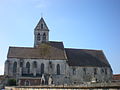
68, 74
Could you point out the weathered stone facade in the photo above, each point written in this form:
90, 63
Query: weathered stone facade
50, 63
93, 86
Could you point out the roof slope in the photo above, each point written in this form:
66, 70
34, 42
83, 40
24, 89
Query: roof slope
49, 50
84, 57
55, 51
116, 77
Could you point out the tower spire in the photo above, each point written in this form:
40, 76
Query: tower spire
41, 32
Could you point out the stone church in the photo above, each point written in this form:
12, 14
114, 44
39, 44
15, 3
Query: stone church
50, 63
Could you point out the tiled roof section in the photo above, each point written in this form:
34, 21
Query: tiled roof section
84, 57
116, 77
49, 50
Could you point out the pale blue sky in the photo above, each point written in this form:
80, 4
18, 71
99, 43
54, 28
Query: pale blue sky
84, 24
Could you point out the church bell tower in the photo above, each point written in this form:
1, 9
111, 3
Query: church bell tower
41, 33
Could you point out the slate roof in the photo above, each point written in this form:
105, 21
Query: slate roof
85, 57
116, 77
56, 51
49, 50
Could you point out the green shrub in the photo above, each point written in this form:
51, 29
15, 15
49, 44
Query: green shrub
12, 82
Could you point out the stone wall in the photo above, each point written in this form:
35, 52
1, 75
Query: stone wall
97, 86
86, 74
68, 74
60, 89
47, 68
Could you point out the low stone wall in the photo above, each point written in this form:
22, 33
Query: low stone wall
97, 86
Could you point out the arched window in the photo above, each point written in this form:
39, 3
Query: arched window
50, 64
15, 67
58, 69
27, 83
84, 70
38, 36
74, 71
102, 70
41, 26
42, 68
44, 37
28, 67
34, 64
106, 71
95, 71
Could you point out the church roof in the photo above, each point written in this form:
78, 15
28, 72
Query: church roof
85, 57
49, 50
56, 51
116, 77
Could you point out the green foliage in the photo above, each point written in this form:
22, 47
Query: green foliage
12, 82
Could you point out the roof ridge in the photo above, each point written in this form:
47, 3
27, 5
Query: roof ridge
21, 47
56, 41
84, 49
116, 75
